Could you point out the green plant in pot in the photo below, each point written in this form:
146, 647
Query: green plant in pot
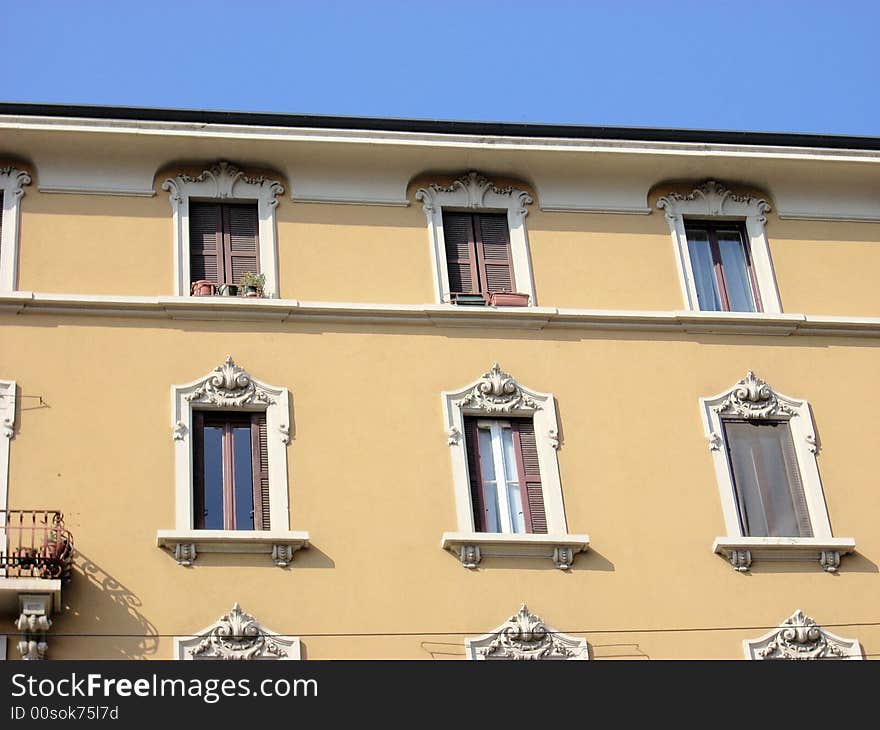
227, 290
252, 284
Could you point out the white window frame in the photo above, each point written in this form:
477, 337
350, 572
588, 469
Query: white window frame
12, 182
473, 192
497, 394
753, 399
712, 200
237, 636
799, 637
224, 182
8, 391
525, 636
496, 428
229, 388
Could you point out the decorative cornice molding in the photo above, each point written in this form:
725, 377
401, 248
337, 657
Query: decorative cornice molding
13, 180
498, 392
472, 190
228, 386
753, 399
801, 638
711, 198
223, 180
239, 636
525, 636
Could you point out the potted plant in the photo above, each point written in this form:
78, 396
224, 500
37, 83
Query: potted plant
252, 284
508, 299
203, 288
469, 299
227, 290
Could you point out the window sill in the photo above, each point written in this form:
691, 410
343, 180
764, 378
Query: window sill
185, 545
12, 588
471, 547
742, 551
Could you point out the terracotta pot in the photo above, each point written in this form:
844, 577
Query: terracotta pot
203, 288
508, 299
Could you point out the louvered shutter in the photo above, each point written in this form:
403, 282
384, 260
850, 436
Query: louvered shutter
260, 461
526, 449
198, 457
241, 239
472, 447
206, 242
461, 257
493, 252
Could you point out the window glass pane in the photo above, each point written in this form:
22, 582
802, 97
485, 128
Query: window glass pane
704, 271
213, 497
244, 475
490, 488
514, 495
767, 482
736, 273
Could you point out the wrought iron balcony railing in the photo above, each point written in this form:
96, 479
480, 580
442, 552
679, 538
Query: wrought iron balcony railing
35, 544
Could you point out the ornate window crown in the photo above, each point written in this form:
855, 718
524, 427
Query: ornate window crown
801, 638
237, 636
496, 392
525, 636
752, 398
713, 199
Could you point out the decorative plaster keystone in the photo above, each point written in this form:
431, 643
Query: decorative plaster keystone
470, 555
829, 560
282, 555
237, 636
498, 392
801, 638
185, 553
525, 636
741, 559
34, 623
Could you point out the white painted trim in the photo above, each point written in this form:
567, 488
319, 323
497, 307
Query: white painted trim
8, 391
474, 192
828, 216
12, 182
229, 388
525, 636
85, 190
713, 200
471, 547
384, 202
622, 210
224, 182
753, 399
800, 638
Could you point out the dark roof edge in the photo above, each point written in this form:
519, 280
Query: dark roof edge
438, 126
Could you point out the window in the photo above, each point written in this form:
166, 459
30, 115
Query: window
722, 266
224, 241
505, 480
231, 434
230, 239
478, 241
477, 254
764, 452
231, 474
12, 182
721, 250
508, 494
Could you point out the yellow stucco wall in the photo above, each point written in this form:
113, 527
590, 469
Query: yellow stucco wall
370, 479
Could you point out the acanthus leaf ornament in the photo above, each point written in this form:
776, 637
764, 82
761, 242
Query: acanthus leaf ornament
498, 392
525, 636
223, 177
753, 399
801, 638
716, 199
229, 386
237, 636
474, 187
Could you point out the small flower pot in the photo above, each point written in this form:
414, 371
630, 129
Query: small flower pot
228, 290
203, 288
470, 300
251, 291
508, 299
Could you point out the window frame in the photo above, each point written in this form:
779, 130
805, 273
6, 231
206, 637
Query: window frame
8, 392
753, 399
712, 201
473, 193
12, 183
224, 182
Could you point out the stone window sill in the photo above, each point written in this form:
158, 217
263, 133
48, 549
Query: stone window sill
185, 545
471, 547
742, 551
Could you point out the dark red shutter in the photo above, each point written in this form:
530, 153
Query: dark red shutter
472, 447
530, 475
461, 257
198, 457
260, 461
493, 252
241, 241
206, 242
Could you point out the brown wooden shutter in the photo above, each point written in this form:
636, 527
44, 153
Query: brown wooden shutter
241, 241
530, 475
472, 447
493, 252
198, 457
260, 462
461, 257
206, 242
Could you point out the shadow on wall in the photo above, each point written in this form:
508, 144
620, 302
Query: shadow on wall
107, 616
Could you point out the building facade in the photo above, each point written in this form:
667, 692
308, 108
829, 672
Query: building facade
308, 388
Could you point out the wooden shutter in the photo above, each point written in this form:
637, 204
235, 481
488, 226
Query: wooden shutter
260, 462
461, 257
198, 457
493, 252
472, 447
241, 241
206, 242
529, 475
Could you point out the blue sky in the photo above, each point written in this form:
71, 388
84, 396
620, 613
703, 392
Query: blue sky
767, 66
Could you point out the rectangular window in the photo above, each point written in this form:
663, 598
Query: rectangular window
722, 266
767, 481
224, 241
477, 254
231, 471
505, 480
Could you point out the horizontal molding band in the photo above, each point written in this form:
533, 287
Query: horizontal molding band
622, 210
440, 315
389, 202
835, 217
76, 190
